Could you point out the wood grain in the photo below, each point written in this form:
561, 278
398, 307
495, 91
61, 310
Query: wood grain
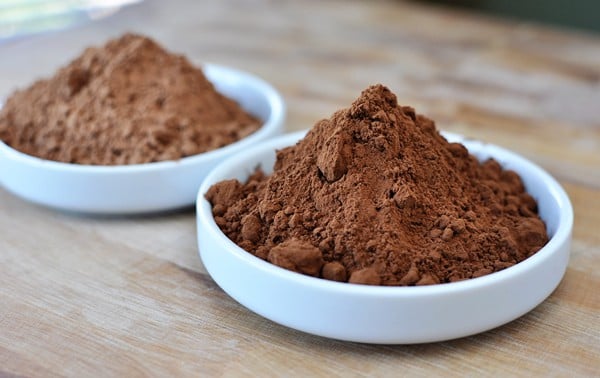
128, 296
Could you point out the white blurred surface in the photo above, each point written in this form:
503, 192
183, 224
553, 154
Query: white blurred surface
24, 17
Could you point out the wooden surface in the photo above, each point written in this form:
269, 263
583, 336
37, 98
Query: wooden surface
91, 296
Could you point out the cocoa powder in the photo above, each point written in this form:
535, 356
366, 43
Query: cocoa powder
375, 195
127, 102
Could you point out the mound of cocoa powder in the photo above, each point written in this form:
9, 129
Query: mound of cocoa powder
375, 195
127, 102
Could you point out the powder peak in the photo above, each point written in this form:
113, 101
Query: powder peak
373, 102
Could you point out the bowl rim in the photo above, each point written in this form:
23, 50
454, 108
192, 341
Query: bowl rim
276, 117
207, 223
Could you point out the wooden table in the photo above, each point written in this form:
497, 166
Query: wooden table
128, 296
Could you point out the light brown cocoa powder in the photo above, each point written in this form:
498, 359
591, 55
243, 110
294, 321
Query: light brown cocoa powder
375, 195
127, 102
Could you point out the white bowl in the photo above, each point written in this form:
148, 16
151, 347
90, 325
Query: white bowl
388, 315
141, 187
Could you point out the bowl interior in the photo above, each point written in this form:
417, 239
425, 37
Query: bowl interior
553, 203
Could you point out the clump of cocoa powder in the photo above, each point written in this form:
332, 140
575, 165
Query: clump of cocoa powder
127, 102
375, 195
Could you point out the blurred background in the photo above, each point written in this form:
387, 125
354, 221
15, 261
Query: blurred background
577, 14
24, 17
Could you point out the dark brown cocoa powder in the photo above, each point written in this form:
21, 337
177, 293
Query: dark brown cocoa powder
375, 195
127, 102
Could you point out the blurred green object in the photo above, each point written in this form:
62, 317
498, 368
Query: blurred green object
23, 17
580, 14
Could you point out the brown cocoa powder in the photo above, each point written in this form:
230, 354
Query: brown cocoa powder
127, 102
375, 195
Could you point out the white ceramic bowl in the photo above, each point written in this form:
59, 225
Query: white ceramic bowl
141, 187
388, 315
